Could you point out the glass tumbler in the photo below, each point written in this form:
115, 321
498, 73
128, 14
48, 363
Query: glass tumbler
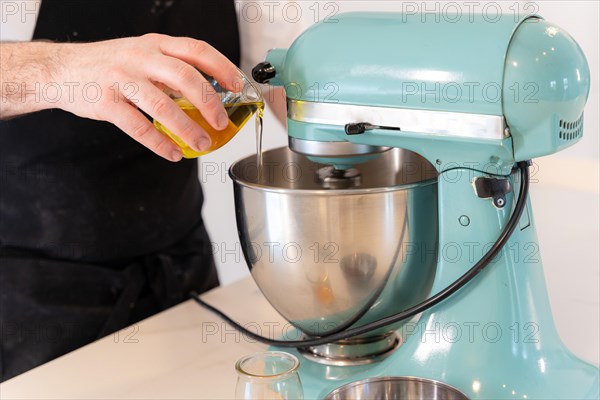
240, 106
269, 375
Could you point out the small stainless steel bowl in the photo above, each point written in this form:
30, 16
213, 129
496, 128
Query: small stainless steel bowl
396, 387
327, 258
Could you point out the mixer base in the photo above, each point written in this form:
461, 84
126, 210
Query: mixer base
358, 351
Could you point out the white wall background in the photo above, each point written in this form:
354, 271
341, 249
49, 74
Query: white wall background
566, 198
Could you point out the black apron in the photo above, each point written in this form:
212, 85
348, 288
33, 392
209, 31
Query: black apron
97, 232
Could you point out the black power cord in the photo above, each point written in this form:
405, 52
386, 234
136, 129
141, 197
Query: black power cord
523, 166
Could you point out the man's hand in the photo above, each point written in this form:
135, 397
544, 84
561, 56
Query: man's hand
113, 80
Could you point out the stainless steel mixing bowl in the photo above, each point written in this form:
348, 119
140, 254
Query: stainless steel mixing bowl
327, 258
396, 387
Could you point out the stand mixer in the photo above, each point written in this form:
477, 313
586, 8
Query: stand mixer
404, 138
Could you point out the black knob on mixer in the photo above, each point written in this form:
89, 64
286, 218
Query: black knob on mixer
263, 72
357, 128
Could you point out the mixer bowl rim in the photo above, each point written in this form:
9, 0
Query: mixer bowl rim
238, 180
377, 379
332, 192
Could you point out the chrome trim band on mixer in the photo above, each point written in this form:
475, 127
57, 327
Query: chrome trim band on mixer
439, 123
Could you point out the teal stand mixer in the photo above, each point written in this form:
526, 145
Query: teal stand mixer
410, 142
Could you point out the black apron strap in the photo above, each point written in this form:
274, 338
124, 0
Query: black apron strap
121, 313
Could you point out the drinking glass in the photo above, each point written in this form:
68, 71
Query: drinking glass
268, 375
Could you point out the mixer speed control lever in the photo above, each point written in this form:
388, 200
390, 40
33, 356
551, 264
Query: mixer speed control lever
358, 128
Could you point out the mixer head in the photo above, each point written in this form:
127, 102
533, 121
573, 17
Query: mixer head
467, 92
